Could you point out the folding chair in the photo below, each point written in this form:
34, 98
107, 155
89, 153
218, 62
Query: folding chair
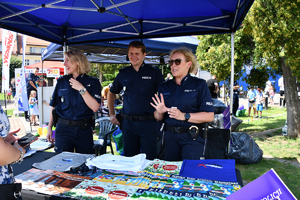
106, 129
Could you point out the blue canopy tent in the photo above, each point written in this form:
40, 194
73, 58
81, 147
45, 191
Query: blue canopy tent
69, 22
116, 51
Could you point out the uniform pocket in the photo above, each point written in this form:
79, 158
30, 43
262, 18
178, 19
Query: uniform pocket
146, 87
63, 97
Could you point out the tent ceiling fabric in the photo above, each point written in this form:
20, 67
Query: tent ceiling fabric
116, 51
84, 21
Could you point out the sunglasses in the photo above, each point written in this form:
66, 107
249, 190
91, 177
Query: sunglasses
176, 61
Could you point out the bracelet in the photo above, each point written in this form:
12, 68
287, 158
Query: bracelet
20, 159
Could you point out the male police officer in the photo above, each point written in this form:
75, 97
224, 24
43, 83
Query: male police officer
139, 82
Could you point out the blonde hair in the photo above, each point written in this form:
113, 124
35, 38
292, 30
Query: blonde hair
189, 56
31, 92
104, 92
78, 58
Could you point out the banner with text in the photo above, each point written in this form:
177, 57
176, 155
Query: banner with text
268, 186
8, 39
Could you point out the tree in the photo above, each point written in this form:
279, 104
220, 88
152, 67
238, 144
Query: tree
275, 27
214, 53
14, 63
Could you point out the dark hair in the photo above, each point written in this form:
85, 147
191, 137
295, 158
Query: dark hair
37, 68
137, 44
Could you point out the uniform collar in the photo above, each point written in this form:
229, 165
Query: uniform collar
184, 80
141, 67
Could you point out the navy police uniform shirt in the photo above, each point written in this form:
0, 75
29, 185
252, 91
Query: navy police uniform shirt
191, 96
33, 78
69, 103
139, 87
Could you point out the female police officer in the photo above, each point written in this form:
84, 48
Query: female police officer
76, 97
184, 104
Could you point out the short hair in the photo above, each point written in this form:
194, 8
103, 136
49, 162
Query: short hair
137, 44
37, 68
189, 56
80, 59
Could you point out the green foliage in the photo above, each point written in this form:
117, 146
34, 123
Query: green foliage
275, 27
214, 53
258, 77
14, 63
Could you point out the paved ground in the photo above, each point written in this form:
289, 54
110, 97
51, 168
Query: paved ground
18, 122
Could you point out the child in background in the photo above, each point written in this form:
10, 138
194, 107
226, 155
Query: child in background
272, 94
33, 107
8, 95
259, 102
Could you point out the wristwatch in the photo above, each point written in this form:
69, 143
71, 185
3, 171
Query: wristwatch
82, 91
187, 117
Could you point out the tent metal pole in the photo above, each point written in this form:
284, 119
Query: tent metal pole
231, 84
42, 81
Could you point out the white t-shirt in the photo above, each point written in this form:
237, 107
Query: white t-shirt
281, 84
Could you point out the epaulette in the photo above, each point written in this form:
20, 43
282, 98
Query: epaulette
124, 68
166, 81
62, 77
198, 79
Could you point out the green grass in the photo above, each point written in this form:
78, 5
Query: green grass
272, 118
273, 145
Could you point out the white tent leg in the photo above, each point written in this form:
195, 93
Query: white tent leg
231, 83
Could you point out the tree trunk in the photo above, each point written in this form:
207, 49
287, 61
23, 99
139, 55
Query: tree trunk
100, 73
292, 100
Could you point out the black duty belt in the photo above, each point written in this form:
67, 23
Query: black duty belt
181, 129
138, 117
82, 122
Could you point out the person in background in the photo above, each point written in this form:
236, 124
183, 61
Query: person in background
259, 102
236, 93
10, 153
213, 86
272, 94
251, 101
169, 76
75, 98
13, 87
33, 107
139, 83
223, 92
32, 84
281, 92
185, 104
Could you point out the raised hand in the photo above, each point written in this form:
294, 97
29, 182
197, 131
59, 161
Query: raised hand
159, 104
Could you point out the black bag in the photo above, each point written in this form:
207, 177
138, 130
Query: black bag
244, 149
10, 191
217, 142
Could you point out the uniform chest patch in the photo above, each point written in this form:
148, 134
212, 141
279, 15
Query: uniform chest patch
146, 77
192, 90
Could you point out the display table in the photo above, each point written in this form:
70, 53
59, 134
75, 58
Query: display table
41, 156
26, 165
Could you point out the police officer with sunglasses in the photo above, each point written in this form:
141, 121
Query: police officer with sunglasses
139, 83
185, 104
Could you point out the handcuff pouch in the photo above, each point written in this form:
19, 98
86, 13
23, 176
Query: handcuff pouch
194, 131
